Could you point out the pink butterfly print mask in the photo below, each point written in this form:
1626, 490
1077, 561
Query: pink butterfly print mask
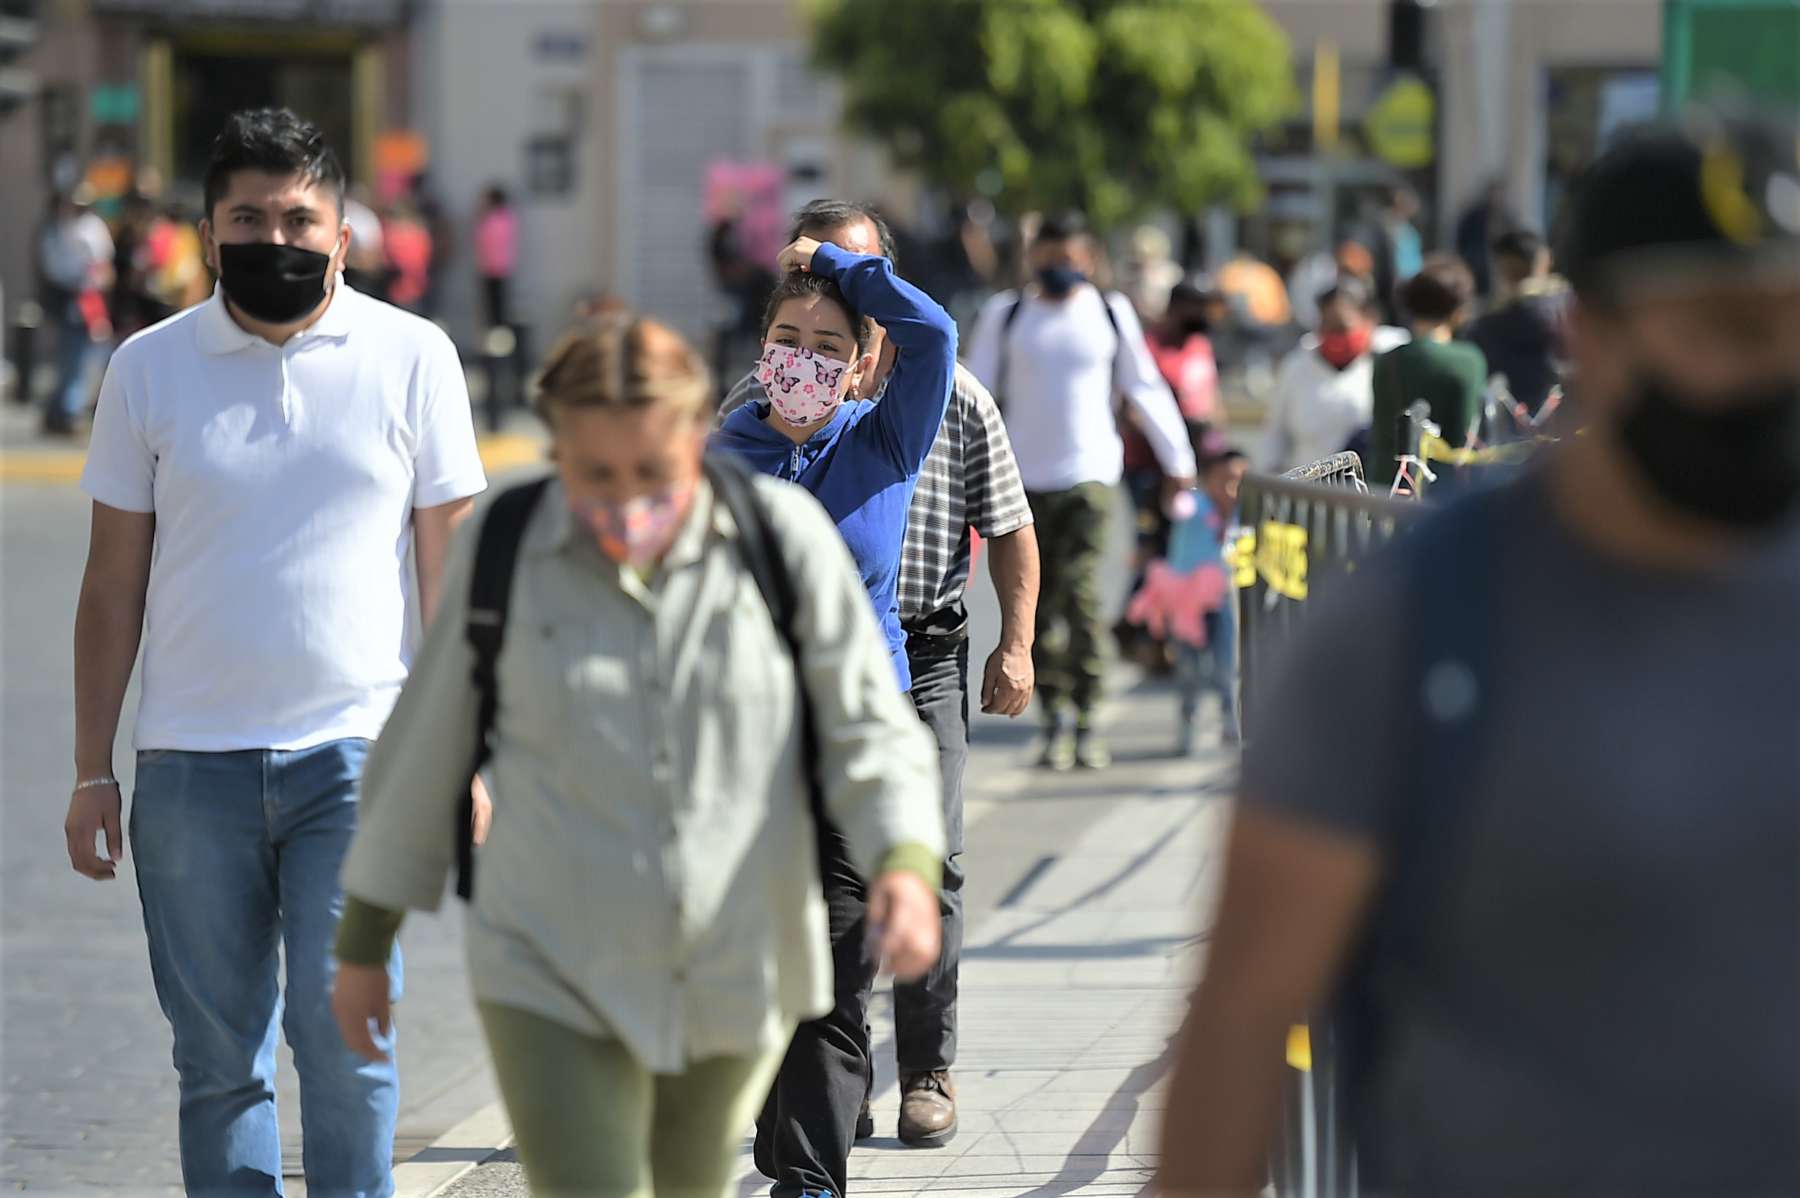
802, 386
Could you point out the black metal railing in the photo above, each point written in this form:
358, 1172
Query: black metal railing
1309, 527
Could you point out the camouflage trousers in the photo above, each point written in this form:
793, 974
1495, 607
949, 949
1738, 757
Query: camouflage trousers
1073, 642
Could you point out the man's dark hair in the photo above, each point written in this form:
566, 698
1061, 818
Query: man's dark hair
1517, 245
827, 216
1064, 226
1441, 289
276, 141
801, 284
1351, 290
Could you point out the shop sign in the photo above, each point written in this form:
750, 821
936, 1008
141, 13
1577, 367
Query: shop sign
113, 105
1402, 125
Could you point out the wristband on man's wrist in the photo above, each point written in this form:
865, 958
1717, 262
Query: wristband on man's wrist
96, 783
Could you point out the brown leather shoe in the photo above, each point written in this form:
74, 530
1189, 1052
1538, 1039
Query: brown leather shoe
927, 1109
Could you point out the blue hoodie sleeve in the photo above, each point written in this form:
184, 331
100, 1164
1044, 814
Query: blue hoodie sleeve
918, 390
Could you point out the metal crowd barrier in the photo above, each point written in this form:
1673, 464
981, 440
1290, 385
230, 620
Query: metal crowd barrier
1305, 532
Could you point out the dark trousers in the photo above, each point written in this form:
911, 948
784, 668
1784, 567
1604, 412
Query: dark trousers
808, 1125
925, 1011
495, 297
1073, 643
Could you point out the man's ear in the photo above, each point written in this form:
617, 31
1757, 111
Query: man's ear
342, 253
209, 247
884, 365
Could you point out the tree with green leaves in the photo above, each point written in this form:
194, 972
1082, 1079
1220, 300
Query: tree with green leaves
1117, 107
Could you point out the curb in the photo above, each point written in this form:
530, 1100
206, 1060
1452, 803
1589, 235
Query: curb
499, 454
455, 1154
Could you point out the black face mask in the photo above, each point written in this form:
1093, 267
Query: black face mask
1735, 464
277, 284
1058, 281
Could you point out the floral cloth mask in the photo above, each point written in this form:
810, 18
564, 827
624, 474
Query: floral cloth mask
638, 532
803, 386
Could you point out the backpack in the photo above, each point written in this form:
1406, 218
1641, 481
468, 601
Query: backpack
998, 390
490, 593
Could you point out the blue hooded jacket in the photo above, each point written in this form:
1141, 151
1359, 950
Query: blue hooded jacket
863, 464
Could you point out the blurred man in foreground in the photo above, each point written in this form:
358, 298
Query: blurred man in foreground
1546, 852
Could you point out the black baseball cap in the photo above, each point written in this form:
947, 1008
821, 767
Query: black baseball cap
1671, 205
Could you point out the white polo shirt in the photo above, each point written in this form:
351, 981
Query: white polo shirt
283, 480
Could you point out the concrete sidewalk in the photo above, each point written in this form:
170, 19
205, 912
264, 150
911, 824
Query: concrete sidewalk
1074, 975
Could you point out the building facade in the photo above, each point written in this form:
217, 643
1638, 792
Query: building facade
606, 120
1527, 91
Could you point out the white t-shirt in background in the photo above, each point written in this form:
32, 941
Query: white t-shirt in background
1064, 365
283, 480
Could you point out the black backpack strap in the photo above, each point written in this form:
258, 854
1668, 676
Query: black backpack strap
998, 391
734, 485
1112, 318
490, 594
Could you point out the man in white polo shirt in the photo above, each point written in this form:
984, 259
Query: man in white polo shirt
265, 468
1055, 356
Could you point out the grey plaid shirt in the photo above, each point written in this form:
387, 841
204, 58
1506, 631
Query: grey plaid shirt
970, 480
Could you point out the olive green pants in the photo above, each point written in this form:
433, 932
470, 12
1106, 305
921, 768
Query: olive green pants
591, 1121
1073, 643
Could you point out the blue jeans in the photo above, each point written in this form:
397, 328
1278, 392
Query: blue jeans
76, 355
238, 857
1213, 668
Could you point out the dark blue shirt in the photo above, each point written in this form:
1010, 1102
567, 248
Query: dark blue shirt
863, 464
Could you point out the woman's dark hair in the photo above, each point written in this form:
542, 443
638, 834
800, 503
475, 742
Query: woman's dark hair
804, 285
1440, 290
496, 196
276, 141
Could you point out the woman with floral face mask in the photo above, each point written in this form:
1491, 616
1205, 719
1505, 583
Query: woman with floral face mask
860, 458
647, 927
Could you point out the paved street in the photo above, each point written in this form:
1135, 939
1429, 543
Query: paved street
1084, 901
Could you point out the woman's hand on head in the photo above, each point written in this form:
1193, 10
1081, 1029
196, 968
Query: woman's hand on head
797, 256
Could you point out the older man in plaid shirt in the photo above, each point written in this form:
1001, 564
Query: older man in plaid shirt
970, 481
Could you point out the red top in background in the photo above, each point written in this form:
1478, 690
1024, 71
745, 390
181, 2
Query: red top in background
1193, 375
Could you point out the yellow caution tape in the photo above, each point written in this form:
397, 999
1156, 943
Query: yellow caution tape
1240, 556
1299, 1048
1281, 558
1435, 449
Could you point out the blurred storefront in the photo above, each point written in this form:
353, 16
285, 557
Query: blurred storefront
1523, 92
131, 92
